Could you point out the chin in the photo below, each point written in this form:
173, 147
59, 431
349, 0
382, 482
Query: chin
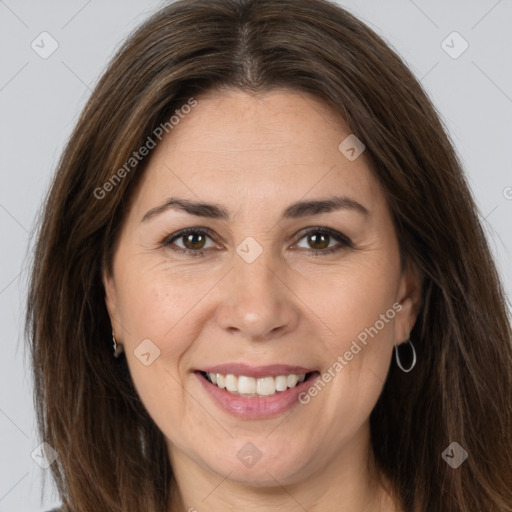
258, 472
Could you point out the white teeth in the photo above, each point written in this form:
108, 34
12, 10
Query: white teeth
246, 385
250, 386
266, 386
281, 383
221, 380
292, 380
231, 383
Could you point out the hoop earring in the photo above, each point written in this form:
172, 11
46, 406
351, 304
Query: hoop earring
397, 357
118, 349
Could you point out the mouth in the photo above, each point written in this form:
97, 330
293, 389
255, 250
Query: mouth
256, 387
255, 392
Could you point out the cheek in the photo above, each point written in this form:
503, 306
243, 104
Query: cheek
153, 303
358, 315
163, 315
352, 301
156, 313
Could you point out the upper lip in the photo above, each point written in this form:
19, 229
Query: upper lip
272, 370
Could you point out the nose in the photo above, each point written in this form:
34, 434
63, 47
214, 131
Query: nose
257, 302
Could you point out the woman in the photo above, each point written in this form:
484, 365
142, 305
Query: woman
341, 341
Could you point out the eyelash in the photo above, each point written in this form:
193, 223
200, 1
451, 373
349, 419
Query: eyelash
339, 237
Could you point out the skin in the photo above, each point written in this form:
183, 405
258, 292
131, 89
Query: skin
255, 155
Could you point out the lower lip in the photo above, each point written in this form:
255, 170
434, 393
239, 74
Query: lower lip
252, 408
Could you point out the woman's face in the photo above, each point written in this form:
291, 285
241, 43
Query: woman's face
257, 304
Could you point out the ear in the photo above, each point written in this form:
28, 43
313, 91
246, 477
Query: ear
111, 300
410, 298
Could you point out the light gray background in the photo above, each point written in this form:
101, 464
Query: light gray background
41, 98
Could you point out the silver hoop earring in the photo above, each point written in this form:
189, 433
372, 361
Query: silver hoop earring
118, 349
397, 357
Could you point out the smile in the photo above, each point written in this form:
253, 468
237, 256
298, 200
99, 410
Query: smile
253, 393
243, 385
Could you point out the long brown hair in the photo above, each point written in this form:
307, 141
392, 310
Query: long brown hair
112, 457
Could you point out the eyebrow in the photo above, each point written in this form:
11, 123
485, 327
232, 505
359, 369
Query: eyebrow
294, 211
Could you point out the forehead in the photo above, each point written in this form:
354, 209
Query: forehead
250, 149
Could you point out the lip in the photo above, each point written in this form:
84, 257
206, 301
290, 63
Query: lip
272, 370
256, 408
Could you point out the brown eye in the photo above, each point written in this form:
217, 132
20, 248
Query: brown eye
193, 240
318, 241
